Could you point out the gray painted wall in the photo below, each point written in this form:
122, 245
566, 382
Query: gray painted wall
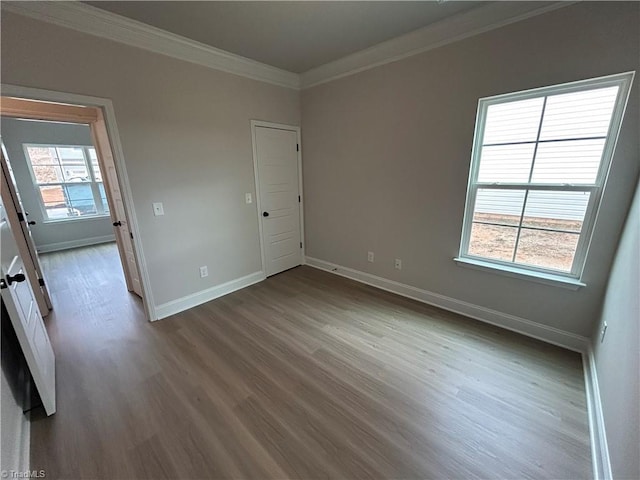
386, 156
57, 235
617, 358
186, 139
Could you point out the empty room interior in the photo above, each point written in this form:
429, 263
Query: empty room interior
301, 240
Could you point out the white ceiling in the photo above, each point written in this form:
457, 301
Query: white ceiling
293, 35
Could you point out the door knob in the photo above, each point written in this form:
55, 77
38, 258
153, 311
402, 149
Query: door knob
31, 222
117, 224
18, 277
265, 214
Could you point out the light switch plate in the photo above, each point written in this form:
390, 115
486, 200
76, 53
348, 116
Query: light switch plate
158, 209
247, 198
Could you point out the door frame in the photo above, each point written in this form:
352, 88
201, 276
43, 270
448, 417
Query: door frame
105, 105
278, 126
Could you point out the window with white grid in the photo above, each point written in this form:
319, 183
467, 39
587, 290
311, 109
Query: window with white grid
69, 181
539, 165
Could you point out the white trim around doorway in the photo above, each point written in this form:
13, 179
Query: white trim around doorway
106, 105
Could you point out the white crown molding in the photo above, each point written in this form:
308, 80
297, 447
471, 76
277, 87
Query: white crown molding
452, 29
94, 21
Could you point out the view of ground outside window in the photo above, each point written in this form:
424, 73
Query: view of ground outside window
551, 226
536, 247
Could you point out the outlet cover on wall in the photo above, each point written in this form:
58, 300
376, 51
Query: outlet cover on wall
247, 198
204, 271
398, 264
158, 209
603, 332
370, 257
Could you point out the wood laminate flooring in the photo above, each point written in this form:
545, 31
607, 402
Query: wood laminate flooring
303, 376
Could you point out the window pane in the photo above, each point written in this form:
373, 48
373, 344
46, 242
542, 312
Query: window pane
547, 249
47, 174
73, 164
53, 195
579, 114
54, 200
506, 163
96, 170
70, 153
498, 206
80, 198
42, 156
75, 173
556, 210
573, 161
103, 195
513, 121
492, 241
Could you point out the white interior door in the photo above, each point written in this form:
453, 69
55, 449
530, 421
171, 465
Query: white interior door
276, 153
25, 316
26, 245
123, 231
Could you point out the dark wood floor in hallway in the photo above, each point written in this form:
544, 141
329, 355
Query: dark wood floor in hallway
303, 376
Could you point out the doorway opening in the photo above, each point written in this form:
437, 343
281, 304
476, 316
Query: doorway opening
70, 193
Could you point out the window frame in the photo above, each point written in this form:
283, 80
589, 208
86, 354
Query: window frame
547, 275
101, 207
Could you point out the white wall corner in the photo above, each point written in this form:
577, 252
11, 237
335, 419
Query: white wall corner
94, 21
599, 445
193, 300
545, 333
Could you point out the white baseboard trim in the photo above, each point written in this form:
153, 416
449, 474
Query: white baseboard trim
599, 445
520, 325
82, 242
181, 304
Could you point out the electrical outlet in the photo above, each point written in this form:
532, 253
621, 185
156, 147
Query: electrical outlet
604, 330
158, 209
370, 257
398, 264
204, 271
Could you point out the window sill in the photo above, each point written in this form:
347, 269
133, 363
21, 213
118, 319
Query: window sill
538, 277
76, 219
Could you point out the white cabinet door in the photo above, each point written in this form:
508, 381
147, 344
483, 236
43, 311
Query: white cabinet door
277, 162
25, 316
